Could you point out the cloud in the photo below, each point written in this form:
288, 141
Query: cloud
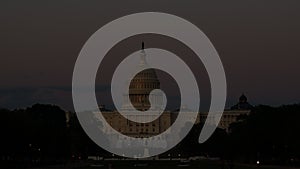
20, 97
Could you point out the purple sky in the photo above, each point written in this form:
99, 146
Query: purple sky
258, 42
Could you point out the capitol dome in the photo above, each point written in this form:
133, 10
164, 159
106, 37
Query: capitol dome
142, 84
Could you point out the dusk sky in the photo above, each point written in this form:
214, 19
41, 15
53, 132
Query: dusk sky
257, 41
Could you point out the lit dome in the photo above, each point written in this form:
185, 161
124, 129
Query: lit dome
142, 84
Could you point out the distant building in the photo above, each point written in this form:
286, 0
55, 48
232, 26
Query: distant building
242, 104
230, 115
140, 87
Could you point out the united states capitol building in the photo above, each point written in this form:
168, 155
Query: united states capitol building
140, 87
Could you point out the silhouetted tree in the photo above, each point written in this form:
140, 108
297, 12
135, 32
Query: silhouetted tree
268, 134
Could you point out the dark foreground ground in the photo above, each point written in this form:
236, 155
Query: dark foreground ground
147, 164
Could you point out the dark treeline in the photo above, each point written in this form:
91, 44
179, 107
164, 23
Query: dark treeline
269, 135
40, 135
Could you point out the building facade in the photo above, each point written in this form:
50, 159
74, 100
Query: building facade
139, 91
